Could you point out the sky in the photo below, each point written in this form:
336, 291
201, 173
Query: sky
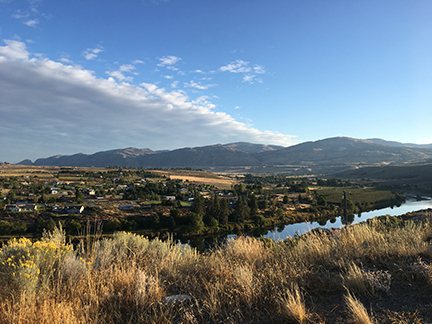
87, 76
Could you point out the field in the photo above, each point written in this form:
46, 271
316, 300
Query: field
356, 195
200, 177
378, 272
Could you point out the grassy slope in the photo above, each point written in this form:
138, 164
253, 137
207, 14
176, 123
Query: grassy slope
368, 273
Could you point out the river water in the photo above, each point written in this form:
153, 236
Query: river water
203, 243
283, 232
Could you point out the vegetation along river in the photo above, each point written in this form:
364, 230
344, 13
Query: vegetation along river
203, 243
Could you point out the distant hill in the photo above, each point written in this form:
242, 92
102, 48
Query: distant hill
402, 174
253, 148
398, 144
120, 157
322, 156
340, 152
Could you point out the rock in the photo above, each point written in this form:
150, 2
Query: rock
174, 299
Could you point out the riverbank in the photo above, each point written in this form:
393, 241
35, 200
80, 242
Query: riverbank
375, 272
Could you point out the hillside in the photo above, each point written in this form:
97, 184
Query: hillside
416, 174
323, 156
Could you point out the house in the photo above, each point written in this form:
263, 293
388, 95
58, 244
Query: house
74, 209
89, 191
172, 198
54, 190
21, 207
30, 207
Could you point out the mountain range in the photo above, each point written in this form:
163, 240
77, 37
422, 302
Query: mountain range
322, 156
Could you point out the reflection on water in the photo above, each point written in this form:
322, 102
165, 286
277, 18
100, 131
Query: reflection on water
337, 222
204, 243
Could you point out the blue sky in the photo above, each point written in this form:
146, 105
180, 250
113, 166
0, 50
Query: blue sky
86, 76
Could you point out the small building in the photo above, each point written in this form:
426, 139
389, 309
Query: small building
21, 207
172, 198
54, 190
74, 209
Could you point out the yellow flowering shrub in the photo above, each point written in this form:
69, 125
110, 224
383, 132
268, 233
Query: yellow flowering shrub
25, 264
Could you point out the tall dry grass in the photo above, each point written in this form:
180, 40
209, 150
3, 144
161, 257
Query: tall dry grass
358, 312
127, 279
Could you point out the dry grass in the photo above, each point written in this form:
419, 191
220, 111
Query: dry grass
199, 177
358, 311
126, 279
293, 306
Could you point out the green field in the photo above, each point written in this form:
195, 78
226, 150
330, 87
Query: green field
356, 195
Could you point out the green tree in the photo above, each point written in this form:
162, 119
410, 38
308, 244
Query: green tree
79, 196
199, 205
321, 200
113, 225
224, 212
196, 223
50, 225
260, 220
5, 227
73, 227
253, 205
241, 210
19, 227
213, 223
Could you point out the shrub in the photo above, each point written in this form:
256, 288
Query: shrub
26, 265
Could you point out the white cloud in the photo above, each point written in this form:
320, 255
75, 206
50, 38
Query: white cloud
32, 22
193, 84
74, 111
199, 71
137, 62
249, 78
13, 50
20, 15
169, 77
91, 54
168, 60
65, 60
126, 68
174, 84
238, 66
120, 76
259, 69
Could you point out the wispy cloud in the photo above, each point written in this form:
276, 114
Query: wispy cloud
193, 84
65, 60
126, 68
174, 84
119, 74
238, 66
29, 16
92, 53
168, 60
259, 69
137, 62
31, 23
249, 78
63, 98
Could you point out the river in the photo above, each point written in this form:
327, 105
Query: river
289, 230
203, 243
